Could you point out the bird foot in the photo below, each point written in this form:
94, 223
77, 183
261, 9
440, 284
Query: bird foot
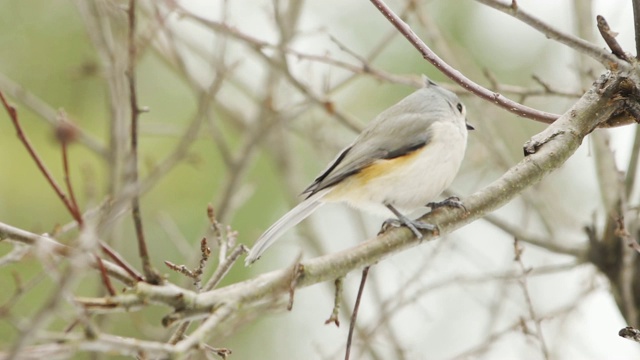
414, 225
452, 201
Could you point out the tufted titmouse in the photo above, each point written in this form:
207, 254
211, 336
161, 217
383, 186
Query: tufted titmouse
405, 158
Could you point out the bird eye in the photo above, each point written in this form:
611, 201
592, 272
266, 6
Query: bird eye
460, 107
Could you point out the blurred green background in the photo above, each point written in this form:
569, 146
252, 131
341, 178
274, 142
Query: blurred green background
45, 49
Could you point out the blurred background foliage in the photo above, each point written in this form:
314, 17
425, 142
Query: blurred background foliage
45, 49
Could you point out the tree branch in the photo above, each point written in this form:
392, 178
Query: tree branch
547, 152
636, 25
609, 37
13, 114
571, 41
150, 273
50, 245
456, 76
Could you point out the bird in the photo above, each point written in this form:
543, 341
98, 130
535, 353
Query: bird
403, 160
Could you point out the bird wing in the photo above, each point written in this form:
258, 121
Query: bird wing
388, 136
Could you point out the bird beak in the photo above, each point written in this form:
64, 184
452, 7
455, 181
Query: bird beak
469, 127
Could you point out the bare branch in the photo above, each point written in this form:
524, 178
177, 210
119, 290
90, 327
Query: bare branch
548, 151
632, 168
150, 273
13, 115
456, 76
335, 313
224, 267
571, 41
50, 245
609, 37
560, 141
267, 101
522, 281
540, 241
356, 307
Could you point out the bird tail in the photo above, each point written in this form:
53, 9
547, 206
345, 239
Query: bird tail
289, 220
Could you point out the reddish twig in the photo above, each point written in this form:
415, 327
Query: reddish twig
66, 133
455, 75
120, 261
151, 275
609, 37
13, 114
77, 215
356, 307
105, 277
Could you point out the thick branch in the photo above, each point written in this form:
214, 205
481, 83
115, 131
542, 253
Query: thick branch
548, 151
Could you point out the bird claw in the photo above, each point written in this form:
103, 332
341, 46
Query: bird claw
414, 225
452, 201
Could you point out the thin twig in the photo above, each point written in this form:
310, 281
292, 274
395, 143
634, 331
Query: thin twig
52, 246
356, 307
609, 37
544, 242
182, 269
205, 252
626, 279
13, 114
476, 351
77, 214
151, 275
16, 254
569, 40
335, 318
197, 336
118, 259
522, 281
50, 308
195, 274
456, 76
257, 45
224, 267
105, 278
632, 167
